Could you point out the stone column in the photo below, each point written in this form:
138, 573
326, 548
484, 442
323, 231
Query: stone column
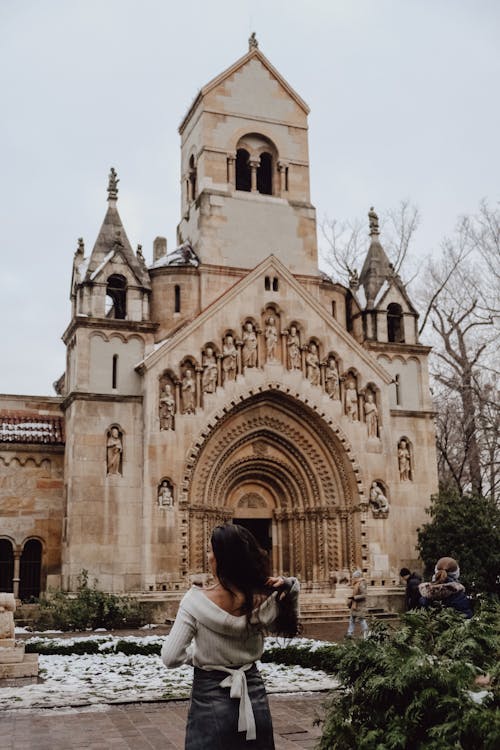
239, 363
17, 573
284, 352
231, 175
219, 370
199, 390
282, 167
177, 390
254, 165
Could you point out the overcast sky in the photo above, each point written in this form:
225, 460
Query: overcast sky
404, 98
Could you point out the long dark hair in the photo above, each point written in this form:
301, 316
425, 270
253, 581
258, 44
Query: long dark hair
242, 564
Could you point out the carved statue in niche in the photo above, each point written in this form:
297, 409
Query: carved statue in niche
209, 377
165, 497
332, 378
404, 461
114, 451
378, 500
167, 408
371, 415
249, 351
188, 391
312, 364
271, 336
293, 346
351, 399
229, 356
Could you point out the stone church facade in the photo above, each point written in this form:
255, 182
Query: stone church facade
228, 380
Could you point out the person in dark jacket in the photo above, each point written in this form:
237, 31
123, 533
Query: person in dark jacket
445, 588
412, 581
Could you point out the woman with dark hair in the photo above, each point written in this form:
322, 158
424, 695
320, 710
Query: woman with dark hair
220, 630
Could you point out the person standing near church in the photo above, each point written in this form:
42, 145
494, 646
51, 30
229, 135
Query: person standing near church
412, 580
220, 630
357, 604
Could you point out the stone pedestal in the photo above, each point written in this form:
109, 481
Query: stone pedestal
14, 663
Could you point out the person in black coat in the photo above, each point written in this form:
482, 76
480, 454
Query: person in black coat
445, 588
413, 580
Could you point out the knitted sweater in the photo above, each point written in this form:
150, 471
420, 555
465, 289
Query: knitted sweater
205, 635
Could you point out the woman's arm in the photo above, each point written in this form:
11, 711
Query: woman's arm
175, 651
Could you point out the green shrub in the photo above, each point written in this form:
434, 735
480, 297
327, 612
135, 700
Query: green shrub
324, 657
414, 688
88, 608
57, 649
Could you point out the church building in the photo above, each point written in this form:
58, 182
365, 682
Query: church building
228, 380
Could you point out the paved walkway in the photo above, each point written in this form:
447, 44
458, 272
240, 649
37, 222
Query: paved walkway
144, 725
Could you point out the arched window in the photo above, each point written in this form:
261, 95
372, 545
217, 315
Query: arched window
116, 297
395, 329
31, 570
265, 174
267, 283
114, 376
192, 179
177, 298
6, 566
243, 177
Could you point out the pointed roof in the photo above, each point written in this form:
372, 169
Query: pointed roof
113, 238
253, 52
377, 267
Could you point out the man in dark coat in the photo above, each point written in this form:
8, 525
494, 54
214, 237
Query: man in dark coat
412, 583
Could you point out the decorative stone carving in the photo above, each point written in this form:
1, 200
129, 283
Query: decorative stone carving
293, 347
371, 415
167, 408
188, 391
312, 364
252, 500
229, 358
404, 461
249, 351
165, 495
7, 609
378, 501
209, 377
271, 337
332, 378
114, 451
351, 399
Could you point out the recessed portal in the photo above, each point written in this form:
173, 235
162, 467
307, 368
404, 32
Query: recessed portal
260, 528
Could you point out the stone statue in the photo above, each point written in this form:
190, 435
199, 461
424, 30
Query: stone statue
351, 399
404, 461
114, 451
209, 377
371, 415
229, 357
165, 497
271, 337
378, 500
252, 41
312, 364
332, 378
373, 221
249, 351
188, 390
167, 408
113, 185
293, 346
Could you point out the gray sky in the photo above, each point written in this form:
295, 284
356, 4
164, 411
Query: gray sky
404, 103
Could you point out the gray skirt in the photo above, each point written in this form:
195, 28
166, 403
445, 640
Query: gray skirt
213, 715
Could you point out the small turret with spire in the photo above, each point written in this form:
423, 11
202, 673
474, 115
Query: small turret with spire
376, 267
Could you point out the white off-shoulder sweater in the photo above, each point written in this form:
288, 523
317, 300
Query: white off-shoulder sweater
208, 637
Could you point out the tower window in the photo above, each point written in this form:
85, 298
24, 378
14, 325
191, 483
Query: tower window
177, 298
243, 176
397, 383
267, 283
192, 179
116, 297
275, 283
395, 330
114, 377
286, 179
334, 309
265, 174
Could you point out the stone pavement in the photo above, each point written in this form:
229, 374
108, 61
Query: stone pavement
145, 725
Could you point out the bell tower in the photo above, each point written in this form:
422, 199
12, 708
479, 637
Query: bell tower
245, 170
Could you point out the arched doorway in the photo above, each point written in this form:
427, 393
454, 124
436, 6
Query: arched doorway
30, 570
274, 465
6, 566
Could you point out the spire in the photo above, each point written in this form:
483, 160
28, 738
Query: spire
376, 268
252, 42
113, 185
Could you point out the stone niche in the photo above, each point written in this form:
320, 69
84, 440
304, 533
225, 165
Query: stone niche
14, 663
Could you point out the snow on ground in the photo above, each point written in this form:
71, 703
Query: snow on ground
79, 680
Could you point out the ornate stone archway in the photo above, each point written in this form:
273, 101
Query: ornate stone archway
273, 446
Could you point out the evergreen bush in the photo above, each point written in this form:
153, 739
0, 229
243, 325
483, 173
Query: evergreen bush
415, 688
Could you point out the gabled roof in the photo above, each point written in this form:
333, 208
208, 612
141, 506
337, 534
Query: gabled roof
253, 53
270, 263
113, 238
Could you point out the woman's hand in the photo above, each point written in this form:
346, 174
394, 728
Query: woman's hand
277, 583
